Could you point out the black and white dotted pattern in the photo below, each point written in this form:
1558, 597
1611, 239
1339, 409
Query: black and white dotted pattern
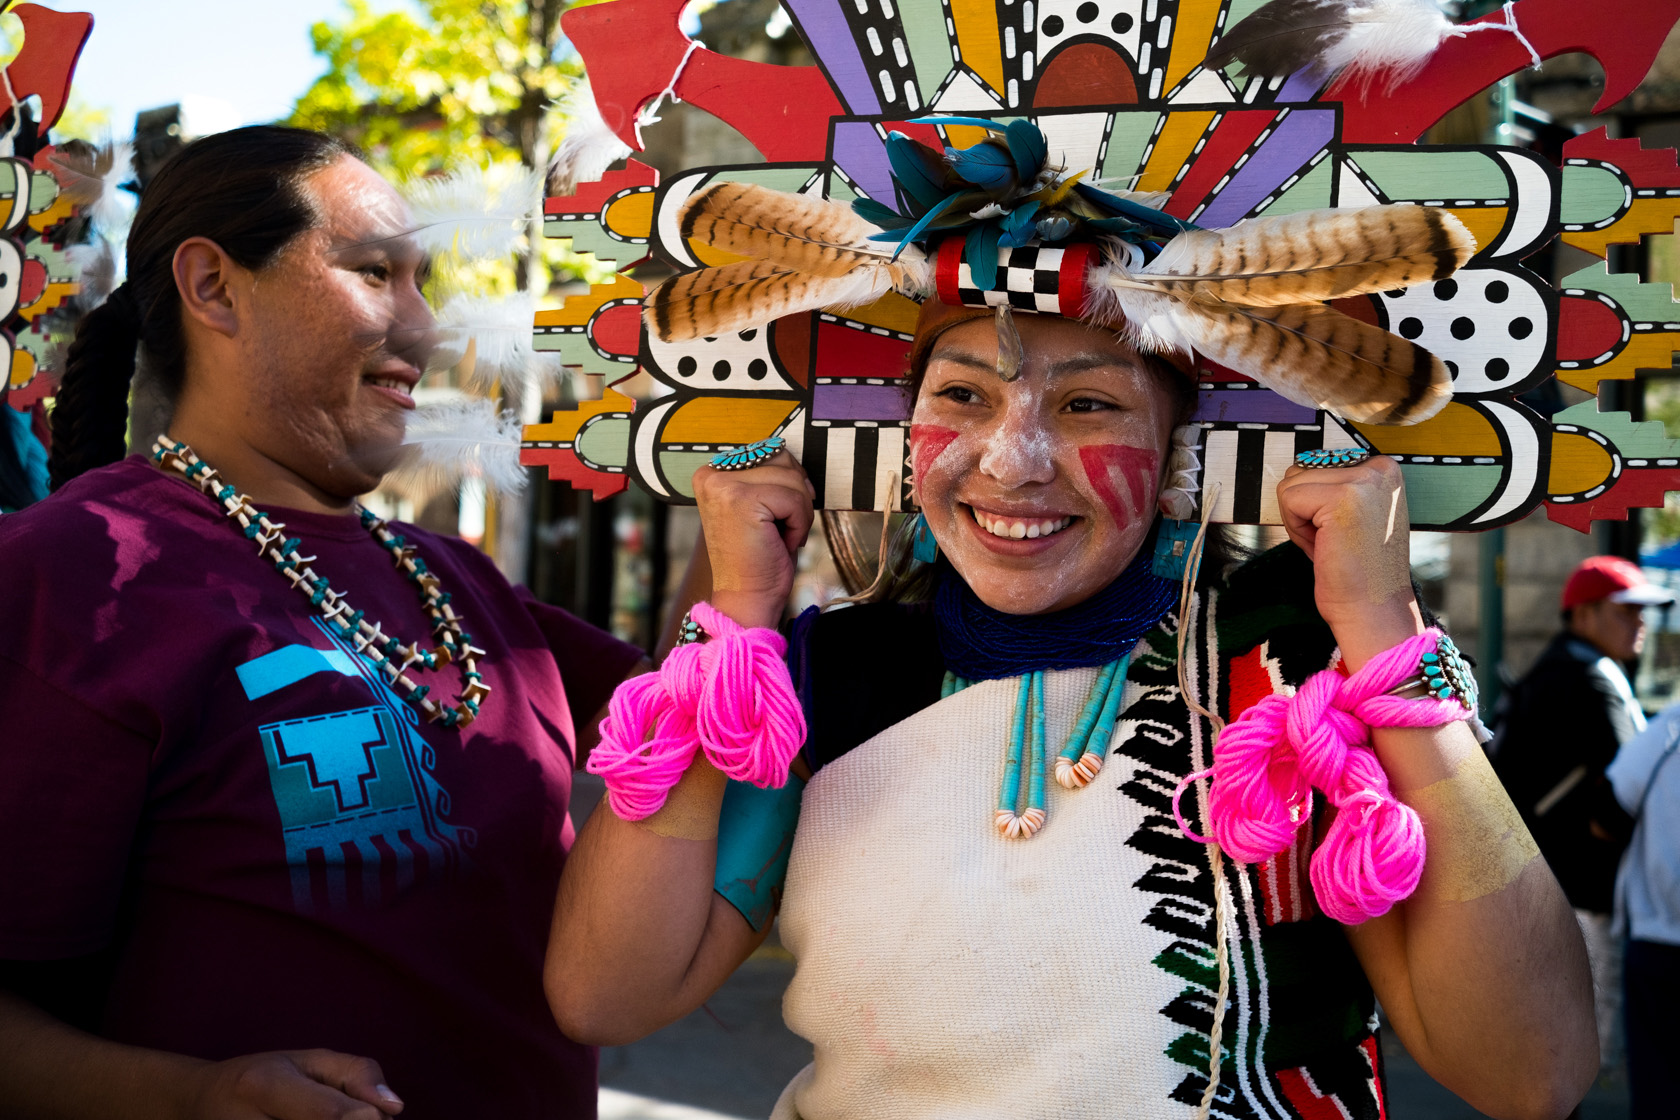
1028, 279
1489, 326
741, 360
1118, 21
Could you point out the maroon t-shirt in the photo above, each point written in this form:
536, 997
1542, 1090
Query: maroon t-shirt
196, 771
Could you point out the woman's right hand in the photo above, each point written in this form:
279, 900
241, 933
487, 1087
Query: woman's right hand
294, 1085
755, 521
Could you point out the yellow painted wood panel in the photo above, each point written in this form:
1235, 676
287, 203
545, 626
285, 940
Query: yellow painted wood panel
1578, 464
891, 312
726, 419
563, 425
1456, 430
50, 299
1485, 223
631, 215
1172, 148
23, 368
575, 312
1191, 38
1645, 215
979, 41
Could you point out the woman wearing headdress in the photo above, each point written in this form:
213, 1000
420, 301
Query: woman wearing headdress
283, 787
1001, 898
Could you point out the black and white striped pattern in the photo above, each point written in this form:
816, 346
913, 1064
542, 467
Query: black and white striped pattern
1247, 461
851, 465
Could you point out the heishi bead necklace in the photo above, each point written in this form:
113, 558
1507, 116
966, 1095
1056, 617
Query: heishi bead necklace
390, 655
1078, 761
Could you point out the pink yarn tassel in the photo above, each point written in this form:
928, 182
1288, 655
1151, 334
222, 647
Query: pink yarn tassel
750, 720
1257, 785
731, 697
647, 743
1268, 761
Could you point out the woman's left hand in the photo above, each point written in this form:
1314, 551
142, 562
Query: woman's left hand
1352, 523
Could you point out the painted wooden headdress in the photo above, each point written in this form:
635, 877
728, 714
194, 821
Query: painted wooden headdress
1227, 115
40, 193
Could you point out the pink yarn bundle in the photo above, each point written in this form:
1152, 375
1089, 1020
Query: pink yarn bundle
1269, 760
731, 697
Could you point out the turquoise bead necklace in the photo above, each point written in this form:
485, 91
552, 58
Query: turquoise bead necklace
1079, 760
390, 656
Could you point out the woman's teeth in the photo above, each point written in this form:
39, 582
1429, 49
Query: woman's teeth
1020, 530
389, 383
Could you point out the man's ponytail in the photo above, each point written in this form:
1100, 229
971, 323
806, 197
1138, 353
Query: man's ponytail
90, 419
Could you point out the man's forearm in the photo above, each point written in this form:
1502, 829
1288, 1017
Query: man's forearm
52, 1071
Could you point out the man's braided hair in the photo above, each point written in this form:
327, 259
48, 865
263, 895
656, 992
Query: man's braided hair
240, 189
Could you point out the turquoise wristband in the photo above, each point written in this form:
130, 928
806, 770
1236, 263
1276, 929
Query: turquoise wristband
755, 839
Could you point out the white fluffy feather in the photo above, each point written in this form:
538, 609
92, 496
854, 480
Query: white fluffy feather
1393, 38
94, 183
474, 211
500, 329
1366, 40
95, 267
1151, 321
588, 146
454, 440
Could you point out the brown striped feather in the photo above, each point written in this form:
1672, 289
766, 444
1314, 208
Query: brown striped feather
1319, 357
732, 297
800, 233
1312, 256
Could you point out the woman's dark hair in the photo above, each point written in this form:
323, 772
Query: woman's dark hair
241, 189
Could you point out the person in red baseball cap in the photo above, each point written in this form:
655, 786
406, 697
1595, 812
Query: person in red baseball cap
1604, 604
1566, 720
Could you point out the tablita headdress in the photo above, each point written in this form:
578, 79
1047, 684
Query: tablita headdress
997, 224
1206, 130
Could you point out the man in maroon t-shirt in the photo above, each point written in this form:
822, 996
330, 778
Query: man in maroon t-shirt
245, 873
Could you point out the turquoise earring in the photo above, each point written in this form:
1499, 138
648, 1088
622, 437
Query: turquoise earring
922, 545
1172, 548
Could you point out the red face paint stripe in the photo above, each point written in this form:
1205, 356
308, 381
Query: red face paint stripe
927, 443
1136, 465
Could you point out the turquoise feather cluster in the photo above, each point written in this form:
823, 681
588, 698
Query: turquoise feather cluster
1003, 193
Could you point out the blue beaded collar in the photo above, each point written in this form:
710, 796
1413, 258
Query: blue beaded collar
980, 643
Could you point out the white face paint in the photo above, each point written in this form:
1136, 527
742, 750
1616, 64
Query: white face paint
1039, 490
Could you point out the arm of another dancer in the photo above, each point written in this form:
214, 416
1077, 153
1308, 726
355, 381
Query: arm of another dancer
1482, 972
640, 938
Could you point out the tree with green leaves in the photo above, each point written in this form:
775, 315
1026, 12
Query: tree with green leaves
424, 89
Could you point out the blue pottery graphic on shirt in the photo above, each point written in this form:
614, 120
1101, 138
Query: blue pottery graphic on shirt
360, 811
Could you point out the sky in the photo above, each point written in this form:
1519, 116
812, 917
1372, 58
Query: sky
232, 62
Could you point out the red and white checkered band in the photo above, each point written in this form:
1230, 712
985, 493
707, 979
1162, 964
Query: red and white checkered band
1038, 278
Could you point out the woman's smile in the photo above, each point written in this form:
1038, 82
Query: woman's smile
1028, 527
1040, 490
